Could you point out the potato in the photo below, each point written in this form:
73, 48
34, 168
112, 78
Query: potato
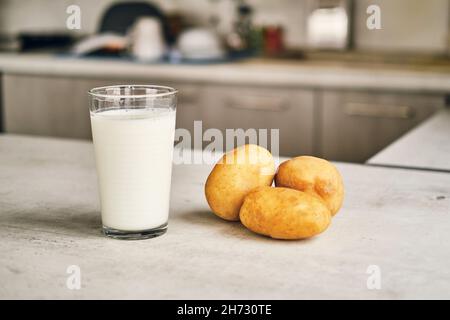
314, 176
283, 213
237, 173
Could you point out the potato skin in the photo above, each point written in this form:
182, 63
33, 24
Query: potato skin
284, 213
234, 176
314, 176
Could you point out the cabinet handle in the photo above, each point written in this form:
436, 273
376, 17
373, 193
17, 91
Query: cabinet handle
271, 104
378, 110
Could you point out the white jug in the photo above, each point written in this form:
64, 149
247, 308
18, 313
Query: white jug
147, 41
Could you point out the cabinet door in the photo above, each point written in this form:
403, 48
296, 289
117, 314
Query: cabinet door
289, 110
50, 106
190, 105
356, 125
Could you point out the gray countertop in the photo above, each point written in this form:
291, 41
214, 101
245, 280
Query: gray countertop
395, 219
425, 147
305, 73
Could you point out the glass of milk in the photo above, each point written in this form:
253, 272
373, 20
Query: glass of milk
133, 129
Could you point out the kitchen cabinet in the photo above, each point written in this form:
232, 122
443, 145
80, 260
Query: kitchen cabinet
49, 106
58, 106
345, 125
291, 111
355, 124
191, 105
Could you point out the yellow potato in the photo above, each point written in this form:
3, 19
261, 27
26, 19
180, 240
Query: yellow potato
237, 173
283, 213
314, 176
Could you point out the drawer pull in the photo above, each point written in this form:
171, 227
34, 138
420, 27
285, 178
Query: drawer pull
378, 111
271, 104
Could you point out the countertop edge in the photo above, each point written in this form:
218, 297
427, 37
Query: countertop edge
251, 73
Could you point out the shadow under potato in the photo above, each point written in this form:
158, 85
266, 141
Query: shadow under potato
228, 228
205, 218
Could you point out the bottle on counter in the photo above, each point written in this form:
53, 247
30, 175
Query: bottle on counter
240, 39
273, 40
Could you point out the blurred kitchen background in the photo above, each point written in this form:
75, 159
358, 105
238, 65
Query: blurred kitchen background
333, 86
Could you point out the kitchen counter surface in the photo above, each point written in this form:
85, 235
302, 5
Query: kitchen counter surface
395, 219
305, 73
425, 147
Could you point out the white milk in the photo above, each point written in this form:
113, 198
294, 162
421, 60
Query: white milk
133, 151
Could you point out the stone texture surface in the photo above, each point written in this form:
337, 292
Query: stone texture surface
49, 219
426, 146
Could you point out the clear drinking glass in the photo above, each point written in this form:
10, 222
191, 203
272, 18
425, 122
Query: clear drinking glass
133, 129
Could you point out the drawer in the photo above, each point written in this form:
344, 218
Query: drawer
289, 110
356, 125
190, 105
50, 106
